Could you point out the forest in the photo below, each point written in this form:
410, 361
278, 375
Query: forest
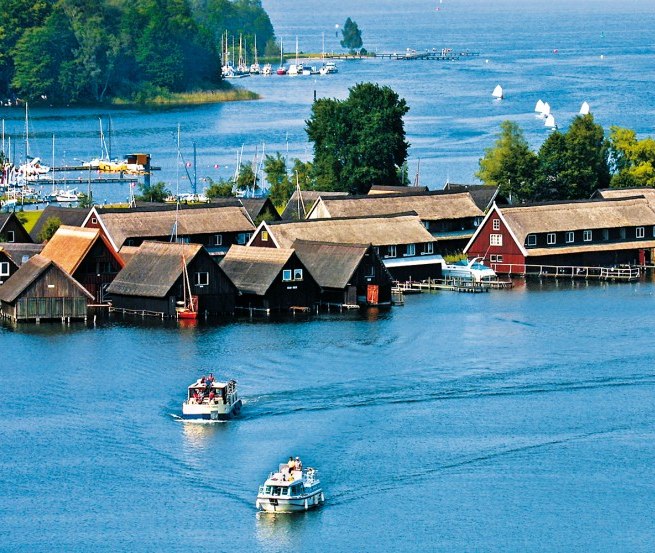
64, 52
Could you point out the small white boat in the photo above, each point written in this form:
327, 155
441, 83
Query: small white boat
498, 93
473, 271
545, 111
267, 69
584, 109
290, 490
208, 399
63, 195
550, 122
329, 68
294, 69
539, 107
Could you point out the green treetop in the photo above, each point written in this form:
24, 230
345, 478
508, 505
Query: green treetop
352, 36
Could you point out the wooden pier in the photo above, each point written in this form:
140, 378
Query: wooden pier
451, 284
619, 273
444, 54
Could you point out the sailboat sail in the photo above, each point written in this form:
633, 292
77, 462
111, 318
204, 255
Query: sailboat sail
539, 107
584, 108
498, 92
550, 122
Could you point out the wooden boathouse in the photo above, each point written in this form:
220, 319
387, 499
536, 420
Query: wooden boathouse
42, 290
11, 229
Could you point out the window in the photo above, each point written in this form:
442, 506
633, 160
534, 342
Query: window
495, 239
428, 248
426, 224
532, 239
201, 279
410, 250
297, 274
218, 240
477, 221
391, 251
377, 248
496, 224
286, 275
641, 232
94, 221
241, 238
10, 236
370, 271
570, 237
586, 235
264, 236
499, 259
550, 238
622, 233
606, 234
4, 268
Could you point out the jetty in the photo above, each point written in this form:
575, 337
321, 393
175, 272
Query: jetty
443, 54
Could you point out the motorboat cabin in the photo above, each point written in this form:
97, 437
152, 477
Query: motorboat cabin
473, 270
208, 399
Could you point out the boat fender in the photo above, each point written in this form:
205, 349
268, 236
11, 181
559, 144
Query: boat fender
306, 505
257, 505
322, 498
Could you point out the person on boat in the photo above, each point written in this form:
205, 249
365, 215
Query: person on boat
210, 378
291, 464
298, 463
195, 396
203, 379
211, 396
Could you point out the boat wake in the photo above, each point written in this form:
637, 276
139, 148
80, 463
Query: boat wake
177, 418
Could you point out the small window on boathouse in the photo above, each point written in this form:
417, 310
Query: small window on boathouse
570, 237
201, 279
550, 238
586, 235
4, 268
286, 275
641, 232
297, 274
495, 239
264, 236
496, 224
532, 239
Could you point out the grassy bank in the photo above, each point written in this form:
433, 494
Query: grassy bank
161, 98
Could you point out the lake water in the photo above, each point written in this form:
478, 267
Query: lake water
517, 420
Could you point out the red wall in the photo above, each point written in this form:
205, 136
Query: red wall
513, 259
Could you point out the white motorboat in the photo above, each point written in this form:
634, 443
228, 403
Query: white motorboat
329, 68
267, 69
63, 195
290, 489
473, 270
208, 399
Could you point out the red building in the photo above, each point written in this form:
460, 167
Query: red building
592, 233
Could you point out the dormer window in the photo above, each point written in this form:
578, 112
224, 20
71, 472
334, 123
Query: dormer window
586, 235
10, 236
570, 237
532, 239
496, 224
550, 238
641, 232
410, 250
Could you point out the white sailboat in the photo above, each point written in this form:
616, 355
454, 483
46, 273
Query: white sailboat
584, 109
498, 92
550, 122
255, 69
539, 107
545, 112
296, 68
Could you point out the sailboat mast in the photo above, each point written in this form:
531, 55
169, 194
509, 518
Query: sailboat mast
52, 168
27, 135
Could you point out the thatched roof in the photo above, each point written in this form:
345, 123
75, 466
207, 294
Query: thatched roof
602, 247
259, 206
4, 217
73, 216
482, 194
332, 265
153, 269
124, 224
577, 215
20, 252
294, 205
28, 273
379, 231
70, 245
381, 189
429, 206
126, 253
253, 270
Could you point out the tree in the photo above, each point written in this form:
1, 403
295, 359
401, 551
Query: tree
358, 142
275, 170
632, 161
219, 189
153, 193
352, 36
49, 229
509, 164
85, 200
586, 166
247, 178
549, 180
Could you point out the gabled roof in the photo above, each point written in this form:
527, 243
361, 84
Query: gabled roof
308, 198
257, 206
577, 215
332, 265
153, 269
379, 231
429, 206
73, 216
155, 223
28, 273
4, 217
381, 189
253, 270
482, 194
21, 251
70, 245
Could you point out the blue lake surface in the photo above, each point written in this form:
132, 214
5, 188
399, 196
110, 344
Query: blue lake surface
517, 420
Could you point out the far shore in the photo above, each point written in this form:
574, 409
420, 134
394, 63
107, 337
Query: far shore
235, 94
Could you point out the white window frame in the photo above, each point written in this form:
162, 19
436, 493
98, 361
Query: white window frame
496, 224
640, 232
532, 240
391, 251
4, 268
495, 239
287, 275
587, 236
218, 239
370, 271
551, 238
410, 250
11, 236
428, 248
264, 236
622, 233
297, 274
201, 279
570, 236
606, 234
499, 259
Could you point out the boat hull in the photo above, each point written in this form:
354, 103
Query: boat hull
270, 504
215, 412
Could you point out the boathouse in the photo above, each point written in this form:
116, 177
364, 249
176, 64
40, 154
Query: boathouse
260, 209
86, 255
7, 265
402, 242
216, 225
589, 233
152, 281
270, 279
72, 216
348, 274
301, 202
11, 229
451, 218
42, 290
